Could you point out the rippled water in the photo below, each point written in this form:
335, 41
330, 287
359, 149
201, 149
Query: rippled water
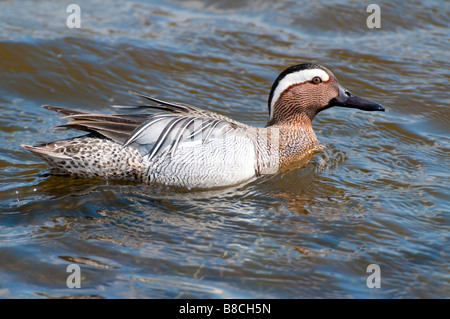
378, 193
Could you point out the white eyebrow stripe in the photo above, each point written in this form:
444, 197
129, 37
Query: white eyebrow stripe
298, 77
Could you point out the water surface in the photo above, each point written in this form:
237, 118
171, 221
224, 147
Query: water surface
376, 194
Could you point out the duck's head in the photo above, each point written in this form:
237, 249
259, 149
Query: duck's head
307, 89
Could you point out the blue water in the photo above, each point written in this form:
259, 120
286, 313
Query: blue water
376, 194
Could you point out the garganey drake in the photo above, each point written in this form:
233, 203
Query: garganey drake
185, 146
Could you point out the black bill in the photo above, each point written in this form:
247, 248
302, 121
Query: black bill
347, 99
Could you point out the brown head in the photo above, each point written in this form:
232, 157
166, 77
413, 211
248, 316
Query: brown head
305, 90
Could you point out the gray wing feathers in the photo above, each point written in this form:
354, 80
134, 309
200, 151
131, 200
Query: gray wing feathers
169, 132
153, 134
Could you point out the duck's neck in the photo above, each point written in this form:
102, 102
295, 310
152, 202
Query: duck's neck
296, 138
293, 122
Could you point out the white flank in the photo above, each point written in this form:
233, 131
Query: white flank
298, 77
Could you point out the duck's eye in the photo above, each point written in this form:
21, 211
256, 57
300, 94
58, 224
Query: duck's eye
316, 80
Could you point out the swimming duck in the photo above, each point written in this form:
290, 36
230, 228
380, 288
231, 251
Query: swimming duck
186, 146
